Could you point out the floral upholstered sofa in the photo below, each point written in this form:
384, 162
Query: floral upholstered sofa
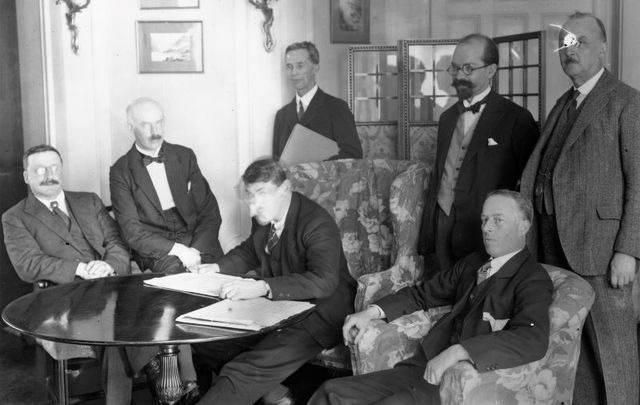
549, 380
377, 205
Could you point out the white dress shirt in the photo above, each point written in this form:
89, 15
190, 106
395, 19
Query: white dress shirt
158, 174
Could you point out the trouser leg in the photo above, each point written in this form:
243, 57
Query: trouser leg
444, 228
117, 382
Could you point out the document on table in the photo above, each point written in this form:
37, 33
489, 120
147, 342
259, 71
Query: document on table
253, 314
207, 284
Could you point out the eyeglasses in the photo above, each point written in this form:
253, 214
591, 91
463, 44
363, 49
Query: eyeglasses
467, 69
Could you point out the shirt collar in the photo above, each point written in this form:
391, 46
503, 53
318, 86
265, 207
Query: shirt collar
154, 154
306, 99
59, 199
477, 97
587, 86
498, 262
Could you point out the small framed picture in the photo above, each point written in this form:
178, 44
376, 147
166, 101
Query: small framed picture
152, 4
170, 47
350, 21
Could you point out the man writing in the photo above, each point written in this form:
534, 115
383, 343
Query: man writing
499, 319
584, 179
313, 108
294, 253
484, 142
164, 206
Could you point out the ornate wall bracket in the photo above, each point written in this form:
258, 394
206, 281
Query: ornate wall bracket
263, 5
73, 7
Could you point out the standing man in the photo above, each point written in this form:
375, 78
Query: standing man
499, 317
61, 236
484, 142
312, 107
584, 178
294, 253
164, 206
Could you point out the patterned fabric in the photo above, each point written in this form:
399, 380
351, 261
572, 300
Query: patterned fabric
377, 205
424, 141
378, 141
549, 380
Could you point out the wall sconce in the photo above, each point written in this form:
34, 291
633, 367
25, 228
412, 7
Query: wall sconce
263, 5
73, 7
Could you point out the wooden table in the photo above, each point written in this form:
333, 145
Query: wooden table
119, 311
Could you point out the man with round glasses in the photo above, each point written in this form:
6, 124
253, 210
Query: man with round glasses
484, 142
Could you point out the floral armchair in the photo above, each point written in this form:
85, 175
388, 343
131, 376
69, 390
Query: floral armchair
377, 205
549, 380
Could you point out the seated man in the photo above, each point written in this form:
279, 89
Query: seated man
500, 315
294, 253
166, 211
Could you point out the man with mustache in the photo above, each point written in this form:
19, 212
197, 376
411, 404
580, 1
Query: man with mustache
164, 206
584, 179
61, 236
313, 108
484, 142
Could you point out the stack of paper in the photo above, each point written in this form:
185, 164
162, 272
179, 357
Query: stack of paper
253, 314
207, 284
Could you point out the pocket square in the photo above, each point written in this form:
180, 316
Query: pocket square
496, 324
188, 186
491, 142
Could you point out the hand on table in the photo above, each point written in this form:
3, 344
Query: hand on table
188, 256
94, 269
204, 268
244, 289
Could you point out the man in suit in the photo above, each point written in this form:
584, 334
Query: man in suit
61, 236
164, 206
584, 178
312, 107
499, 319
484, 142
294, 252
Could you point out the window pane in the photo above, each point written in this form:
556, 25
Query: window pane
421, 109
442, 55
418, 84
518, 80
389, 109
365, 86
441, 104
371, 62
532, 51
532, 106
420, 57
518, 100
516, 52
503, 81
503, 50
532, 80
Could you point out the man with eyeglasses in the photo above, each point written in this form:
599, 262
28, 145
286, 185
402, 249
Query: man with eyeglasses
484, 141
166, 211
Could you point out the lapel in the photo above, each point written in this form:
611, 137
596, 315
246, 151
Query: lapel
81, 214
313, 108
484, 129
595, 101
141, 177
176, 176
36, 209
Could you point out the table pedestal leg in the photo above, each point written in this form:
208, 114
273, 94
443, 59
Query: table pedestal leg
168, 385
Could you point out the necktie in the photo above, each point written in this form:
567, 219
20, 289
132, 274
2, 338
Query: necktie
272, 240
64, 217
300, 110
474, 108
483, 272
147, 160
572, 108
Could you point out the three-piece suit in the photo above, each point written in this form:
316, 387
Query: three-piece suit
307, 263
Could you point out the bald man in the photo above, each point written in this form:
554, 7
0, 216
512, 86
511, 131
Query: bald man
166, 211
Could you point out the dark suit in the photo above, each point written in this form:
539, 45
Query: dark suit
326, 115
596, 194
485, 168
520, 292
42, 248
307, 264
138, 211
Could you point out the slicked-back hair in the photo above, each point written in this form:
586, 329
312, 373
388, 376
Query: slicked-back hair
37, 149
490, 55
264, 170
314, 55
578, 15
523, 203
138, 101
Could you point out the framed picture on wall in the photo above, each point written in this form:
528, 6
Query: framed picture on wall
151, 4
170, 47
350, 21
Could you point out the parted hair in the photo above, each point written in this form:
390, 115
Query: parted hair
38, 149
524, 205
264, 170
314, 55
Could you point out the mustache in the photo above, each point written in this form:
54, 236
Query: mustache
50, 182
155, 137
461, 82
570, 59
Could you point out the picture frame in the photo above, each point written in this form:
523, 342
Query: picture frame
170, 47
350, 21
156, 4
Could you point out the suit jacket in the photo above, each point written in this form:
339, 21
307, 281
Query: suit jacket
41, 248
596, 180
307, 264
485, 168
138, 210
326, 115
519, 293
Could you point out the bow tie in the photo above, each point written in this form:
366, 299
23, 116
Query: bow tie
147, 160
474, 108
